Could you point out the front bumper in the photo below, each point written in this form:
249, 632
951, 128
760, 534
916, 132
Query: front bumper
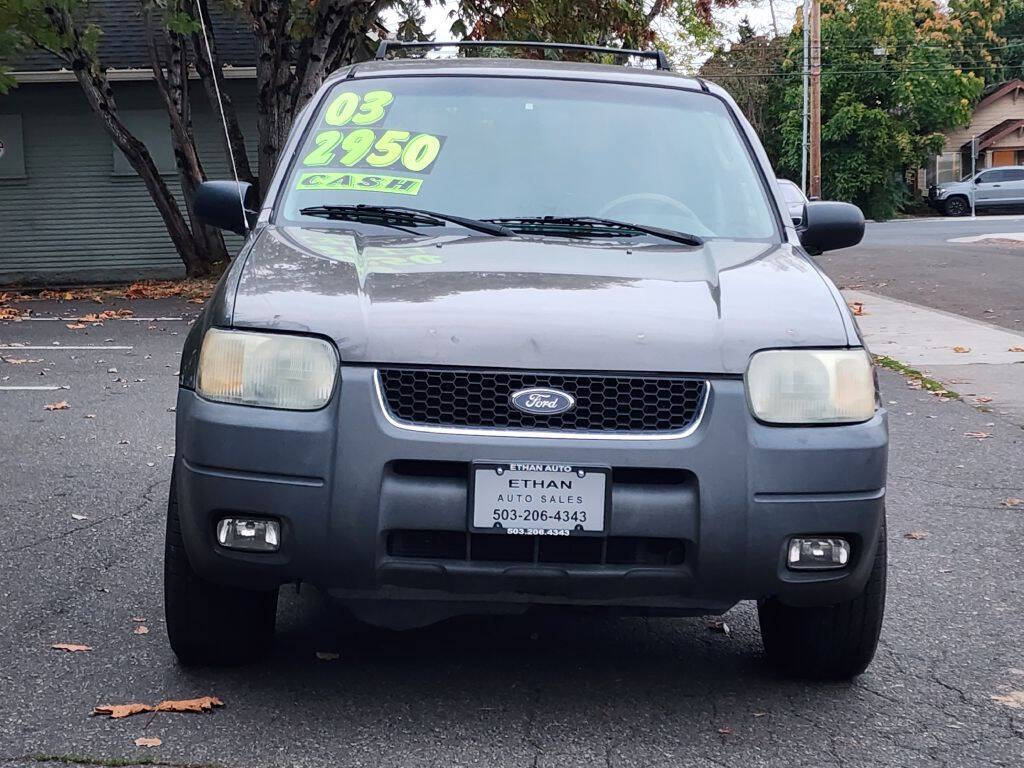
347, 484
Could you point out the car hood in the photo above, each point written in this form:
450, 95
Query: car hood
545, 303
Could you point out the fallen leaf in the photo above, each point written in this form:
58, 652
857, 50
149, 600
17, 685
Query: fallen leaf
983, 399
725, 730
148, 741
71, 647
978, 435
75, 326
916, 535
61, 406
1012, 502
142, 629
857, 307
117, 711
1015, 349
201, 704
138, 619
717, 625
961, 350
76, 516
1013, 699
326, 656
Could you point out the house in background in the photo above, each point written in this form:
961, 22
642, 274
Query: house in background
997, 128
71, 207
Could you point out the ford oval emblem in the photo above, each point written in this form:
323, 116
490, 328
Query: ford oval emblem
538, 400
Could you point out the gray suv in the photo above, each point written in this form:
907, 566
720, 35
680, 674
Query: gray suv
515, 334
992, 188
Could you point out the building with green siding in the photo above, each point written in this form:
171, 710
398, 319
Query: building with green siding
71, 207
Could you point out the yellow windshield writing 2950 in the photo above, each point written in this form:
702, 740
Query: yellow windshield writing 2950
363, 182
367, 148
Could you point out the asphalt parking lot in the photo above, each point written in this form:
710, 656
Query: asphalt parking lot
82, 502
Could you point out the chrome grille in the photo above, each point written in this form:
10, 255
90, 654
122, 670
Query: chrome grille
480, 399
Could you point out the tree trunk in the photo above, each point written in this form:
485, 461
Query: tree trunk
100, 97
338, 29
211, 73
274, 81
173, 89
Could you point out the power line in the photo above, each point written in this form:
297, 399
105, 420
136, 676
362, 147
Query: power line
711, 75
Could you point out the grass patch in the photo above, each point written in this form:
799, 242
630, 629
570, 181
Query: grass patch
114, 762
914, 375
109, 762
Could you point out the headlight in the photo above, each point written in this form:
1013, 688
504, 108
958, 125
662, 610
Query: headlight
811, 386
267, 369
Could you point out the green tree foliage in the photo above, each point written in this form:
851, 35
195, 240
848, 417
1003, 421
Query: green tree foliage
747, 69
976, 43
677, 26
890, 86
1011, 31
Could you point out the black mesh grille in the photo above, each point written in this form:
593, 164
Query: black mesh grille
464, 398
501, 548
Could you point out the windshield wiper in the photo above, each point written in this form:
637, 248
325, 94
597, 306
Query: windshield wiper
593, 226
400, 216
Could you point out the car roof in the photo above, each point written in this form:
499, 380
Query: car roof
509, 67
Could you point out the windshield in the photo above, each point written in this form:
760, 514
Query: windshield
496, 148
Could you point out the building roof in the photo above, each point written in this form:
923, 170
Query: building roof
996, 132
123, 44
999, 91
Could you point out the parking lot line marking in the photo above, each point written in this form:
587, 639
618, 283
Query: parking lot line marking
35, 389
63, 346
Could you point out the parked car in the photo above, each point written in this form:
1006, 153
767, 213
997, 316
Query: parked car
991, 188
508, 334
795, 199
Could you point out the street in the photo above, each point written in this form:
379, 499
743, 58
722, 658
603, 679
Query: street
82, 507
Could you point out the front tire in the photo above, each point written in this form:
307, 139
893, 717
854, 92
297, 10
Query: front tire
208, 623
834, 642
957, 206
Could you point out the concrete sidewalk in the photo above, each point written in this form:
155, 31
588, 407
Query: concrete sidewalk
975, 359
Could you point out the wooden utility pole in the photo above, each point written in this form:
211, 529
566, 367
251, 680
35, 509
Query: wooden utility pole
814, 151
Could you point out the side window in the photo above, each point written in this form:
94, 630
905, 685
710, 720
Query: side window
994, 177
1014, 174
150, 127
12, 150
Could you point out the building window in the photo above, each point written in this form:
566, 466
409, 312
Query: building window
12, 150
150, 127
948, 167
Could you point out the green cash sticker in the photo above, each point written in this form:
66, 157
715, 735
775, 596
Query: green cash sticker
362, 182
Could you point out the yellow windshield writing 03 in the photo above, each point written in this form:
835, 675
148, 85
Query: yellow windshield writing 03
367, 148
362, 182
350, 107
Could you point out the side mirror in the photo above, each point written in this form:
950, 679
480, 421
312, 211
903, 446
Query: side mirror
220, 204
828, 226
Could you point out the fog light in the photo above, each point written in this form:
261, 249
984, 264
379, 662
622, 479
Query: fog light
812, 554
252, 534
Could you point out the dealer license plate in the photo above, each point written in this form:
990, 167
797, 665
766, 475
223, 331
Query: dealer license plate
539, 499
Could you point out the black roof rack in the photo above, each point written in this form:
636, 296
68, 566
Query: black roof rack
390, 45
